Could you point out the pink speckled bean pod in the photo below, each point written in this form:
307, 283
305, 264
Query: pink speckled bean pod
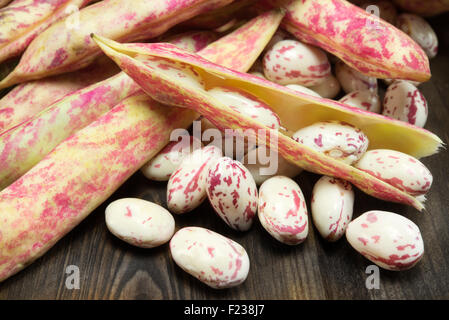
390, 240
29, 98
25, 145
24, 20
78, 175
210, 257
347, 31
232, 193
60, 49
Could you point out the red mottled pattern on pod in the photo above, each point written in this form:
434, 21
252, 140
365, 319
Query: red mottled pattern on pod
215, 260
186, 188
332, 207
56, 51
362, 40
40, 207
398, 169
391, 241
24, 20
232, 193
403, 101
336, 139
255, 34
283, 210
24, 146
420, 31
29, 98
293, 62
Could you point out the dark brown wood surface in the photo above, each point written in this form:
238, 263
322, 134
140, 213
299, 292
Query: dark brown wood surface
112, 269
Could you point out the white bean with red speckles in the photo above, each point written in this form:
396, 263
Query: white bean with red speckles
336, 139
247, 104
186, 188
398, 169
419, 30
258, 170
232, 193
332, 206
210, 257
139, 222
329, 89
364, 99
293, 62
283, 211
352, 80
391, 241
403, 101
303, 89
168, 160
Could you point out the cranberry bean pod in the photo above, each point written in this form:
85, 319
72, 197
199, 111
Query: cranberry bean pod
60, 49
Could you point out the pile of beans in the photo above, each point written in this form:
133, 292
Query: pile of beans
240, 194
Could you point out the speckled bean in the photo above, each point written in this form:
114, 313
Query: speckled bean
210, 257
232, 193
419, 30
398, 169
336, 139
403, 101
283, 210
186, 188
332, 206
168, 160
363, 99
293, 62
352, 80
140, 222
389, 240
284, 168
302, 89
329, 89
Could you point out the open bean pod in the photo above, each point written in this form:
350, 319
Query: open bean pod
153, 67
362, 40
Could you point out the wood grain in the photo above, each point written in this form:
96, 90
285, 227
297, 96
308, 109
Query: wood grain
111, 269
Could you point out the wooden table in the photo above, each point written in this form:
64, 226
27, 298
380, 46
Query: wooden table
112, 269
